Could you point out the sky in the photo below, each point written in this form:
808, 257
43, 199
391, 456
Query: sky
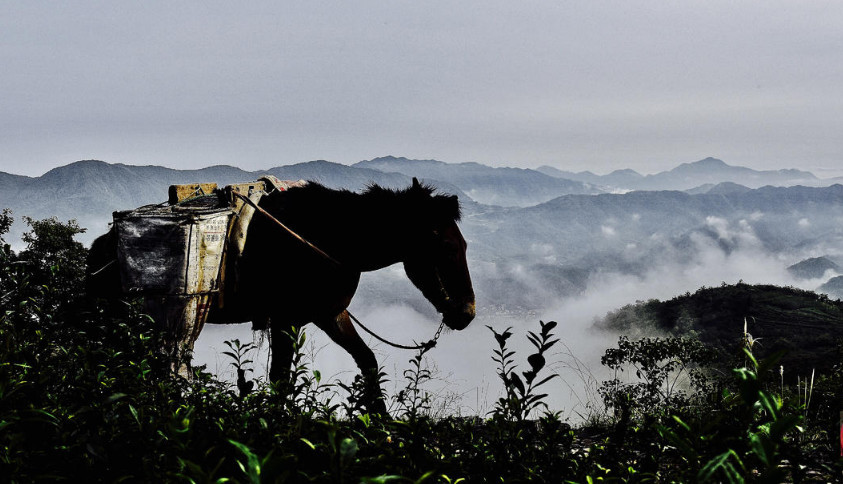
588, 85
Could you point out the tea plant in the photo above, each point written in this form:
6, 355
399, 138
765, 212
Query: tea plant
238, 354
413, 401
521, 397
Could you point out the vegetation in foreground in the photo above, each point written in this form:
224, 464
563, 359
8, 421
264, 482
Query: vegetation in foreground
85, 394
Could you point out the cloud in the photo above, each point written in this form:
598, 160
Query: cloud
729, 251
545, 252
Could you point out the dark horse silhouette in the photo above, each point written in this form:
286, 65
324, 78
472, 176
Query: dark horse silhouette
282, 281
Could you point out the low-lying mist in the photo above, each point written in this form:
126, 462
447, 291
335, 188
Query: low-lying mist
465, 379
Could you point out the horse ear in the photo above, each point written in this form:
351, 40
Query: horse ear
416, 184
449, 205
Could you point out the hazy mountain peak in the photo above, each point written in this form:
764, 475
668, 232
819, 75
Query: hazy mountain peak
833, 287
812, 268
628, 172
390, 158
83, 165
396, 160
707, 164
318, 163
710, 161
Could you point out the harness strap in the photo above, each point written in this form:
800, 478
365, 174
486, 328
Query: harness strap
288, 229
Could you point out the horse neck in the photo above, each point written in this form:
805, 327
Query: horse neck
361, 235
369, 244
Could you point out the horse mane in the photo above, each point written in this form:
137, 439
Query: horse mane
416, 202
422, 196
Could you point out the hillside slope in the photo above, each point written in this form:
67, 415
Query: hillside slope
807, 325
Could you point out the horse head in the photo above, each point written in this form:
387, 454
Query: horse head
436, 263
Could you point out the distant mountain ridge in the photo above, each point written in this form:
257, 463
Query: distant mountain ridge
90, 190
621, 179
691, 175
513, 187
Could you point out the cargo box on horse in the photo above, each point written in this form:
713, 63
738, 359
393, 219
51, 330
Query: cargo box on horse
286, 254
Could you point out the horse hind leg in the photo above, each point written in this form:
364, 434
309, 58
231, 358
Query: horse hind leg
282, 346
342, 332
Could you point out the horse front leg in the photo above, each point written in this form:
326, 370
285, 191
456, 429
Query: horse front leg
341, 331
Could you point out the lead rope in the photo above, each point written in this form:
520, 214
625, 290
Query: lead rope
427, 345
423, 346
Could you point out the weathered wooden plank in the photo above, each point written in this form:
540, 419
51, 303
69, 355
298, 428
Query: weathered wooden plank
179, 193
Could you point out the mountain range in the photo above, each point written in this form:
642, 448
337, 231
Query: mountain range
532, 236
83, 188
711, 171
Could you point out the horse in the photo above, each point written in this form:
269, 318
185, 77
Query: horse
289, 283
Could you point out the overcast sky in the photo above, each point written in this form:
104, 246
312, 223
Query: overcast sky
596, 85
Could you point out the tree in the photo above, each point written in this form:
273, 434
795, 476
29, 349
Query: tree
5, 223
664, 369
54, 261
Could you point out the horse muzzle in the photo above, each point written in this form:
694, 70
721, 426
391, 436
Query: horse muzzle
459, 317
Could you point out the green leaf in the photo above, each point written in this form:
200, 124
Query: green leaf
381, 479
537, 361
114, 397
516, 381
759, 448
134, 413
713, 466
427, 475
348, 448
545, 380
252, 468
681, 423
721, 462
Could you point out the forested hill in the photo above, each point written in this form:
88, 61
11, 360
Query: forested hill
807, 325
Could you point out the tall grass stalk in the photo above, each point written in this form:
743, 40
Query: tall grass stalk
781, 376
804, 391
